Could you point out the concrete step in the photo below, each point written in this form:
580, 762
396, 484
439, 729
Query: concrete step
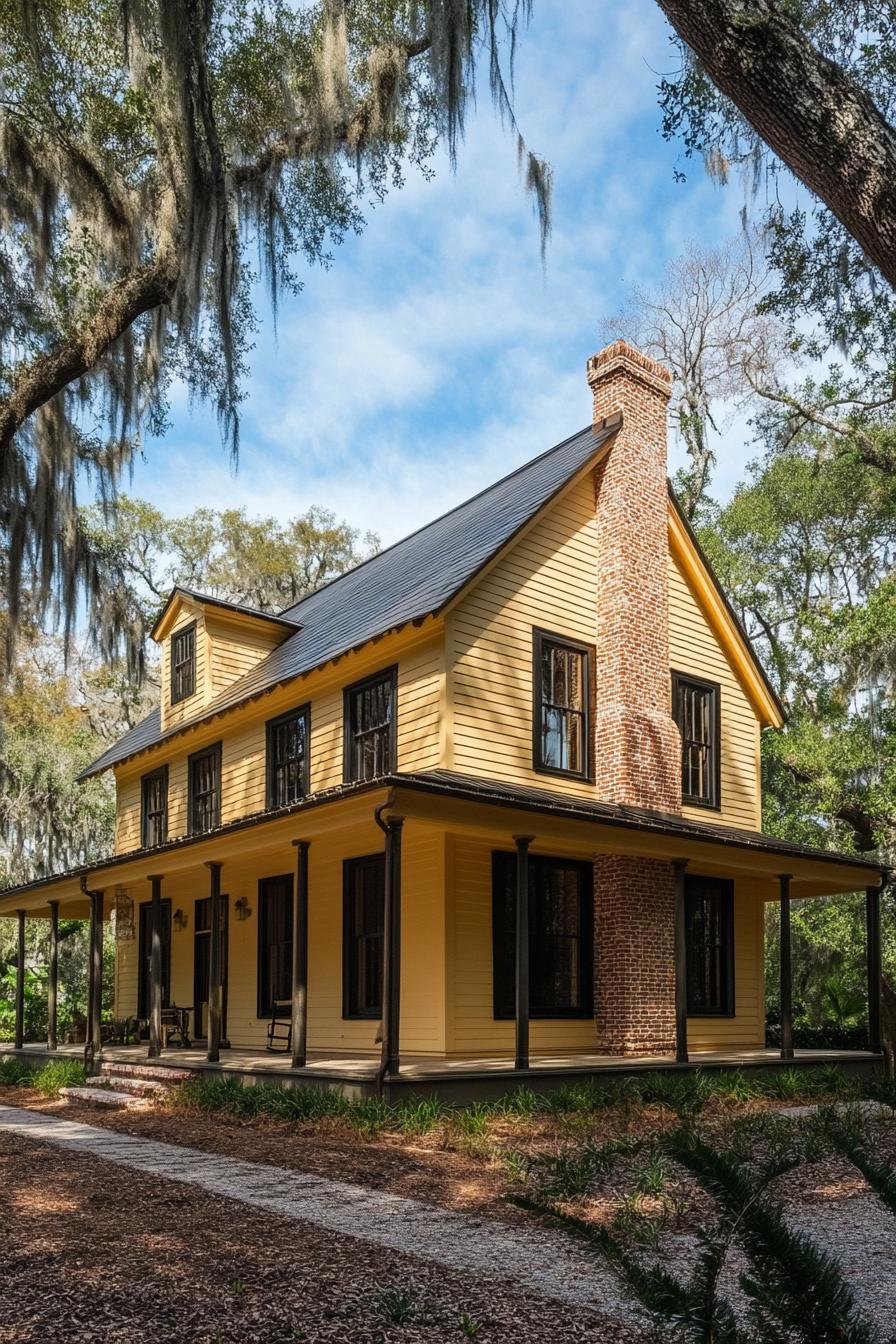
111, 1068
103, 1096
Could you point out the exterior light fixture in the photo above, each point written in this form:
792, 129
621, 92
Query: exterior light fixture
242, 908
123, 912
179, 920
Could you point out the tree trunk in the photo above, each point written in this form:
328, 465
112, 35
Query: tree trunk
807, 109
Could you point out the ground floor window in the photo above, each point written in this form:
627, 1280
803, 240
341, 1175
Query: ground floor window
560, 936
364, 902
145, 950
709, 913
274, 942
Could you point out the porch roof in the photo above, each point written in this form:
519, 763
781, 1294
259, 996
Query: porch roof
468, 801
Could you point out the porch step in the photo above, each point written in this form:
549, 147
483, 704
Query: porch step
138, 1086
160, 1073
103, 1096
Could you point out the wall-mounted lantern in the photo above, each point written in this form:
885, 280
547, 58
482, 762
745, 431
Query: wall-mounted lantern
179, 920
242, 908
123, 913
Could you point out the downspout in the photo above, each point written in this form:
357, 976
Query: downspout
378, 811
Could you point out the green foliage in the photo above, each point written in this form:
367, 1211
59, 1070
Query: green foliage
845, 1131
398, 1304
71, 1004
47, 1078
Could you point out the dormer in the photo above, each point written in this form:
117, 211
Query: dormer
207, 644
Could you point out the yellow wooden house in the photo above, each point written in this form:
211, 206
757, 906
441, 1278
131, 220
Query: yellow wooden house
488, 804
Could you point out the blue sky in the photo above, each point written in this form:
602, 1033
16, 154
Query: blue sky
435, 355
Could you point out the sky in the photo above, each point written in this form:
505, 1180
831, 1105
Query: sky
436, 354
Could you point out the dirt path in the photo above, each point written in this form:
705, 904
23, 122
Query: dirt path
119, 1238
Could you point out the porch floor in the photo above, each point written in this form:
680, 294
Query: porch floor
459, 1079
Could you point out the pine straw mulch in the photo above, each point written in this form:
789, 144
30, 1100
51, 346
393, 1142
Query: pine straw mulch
98, 1254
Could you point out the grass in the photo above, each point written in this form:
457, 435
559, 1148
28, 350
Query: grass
47, 1078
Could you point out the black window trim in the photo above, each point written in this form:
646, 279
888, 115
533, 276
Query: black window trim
264, 1013
348, 1014
303, 711
177, 634
586, 940
214, 747
386, 673
714, 687
160, 772
540, 637
726, 885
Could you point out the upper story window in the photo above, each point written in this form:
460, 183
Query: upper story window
561, 731
204, 786
183, 663
695, 707
287, 757
369, 726
154, 808
709, 924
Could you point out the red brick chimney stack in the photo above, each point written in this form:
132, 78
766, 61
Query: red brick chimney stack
638, 748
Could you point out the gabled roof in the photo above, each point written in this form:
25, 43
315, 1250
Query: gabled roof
407, 582
204, 600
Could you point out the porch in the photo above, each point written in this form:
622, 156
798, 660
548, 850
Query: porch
457, 1081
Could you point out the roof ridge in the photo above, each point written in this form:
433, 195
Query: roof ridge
464, 503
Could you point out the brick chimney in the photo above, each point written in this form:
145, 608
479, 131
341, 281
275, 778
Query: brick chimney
638, 750
637, 746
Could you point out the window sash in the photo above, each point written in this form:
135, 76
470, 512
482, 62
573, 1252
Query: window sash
154, 808
274, 943
697, 716
370, 725
363, 933
562, 693
709, 947
560, 937
288, 759
205, 791
183, 664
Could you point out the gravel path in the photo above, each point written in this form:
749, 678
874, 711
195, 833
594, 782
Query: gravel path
536, 1260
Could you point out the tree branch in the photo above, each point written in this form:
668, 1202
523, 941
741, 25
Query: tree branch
810, 112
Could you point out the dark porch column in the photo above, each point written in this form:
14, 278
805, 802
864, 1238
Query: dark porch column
522, 843
20, 983
390, 1059
875, 990
786, 971
53, 976
214, 965
95, 983
155, 969
681, 964
300, 956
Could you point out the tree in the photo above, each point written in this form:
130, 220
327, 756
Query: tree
151, 150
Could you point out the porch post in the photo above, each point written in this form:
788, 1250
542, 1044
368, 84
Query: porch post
155, 969
681, 964
20, 983
214, 965
786, 971
390, 1059
95, 1005
53, 976
875, 990
522, 843
300, 956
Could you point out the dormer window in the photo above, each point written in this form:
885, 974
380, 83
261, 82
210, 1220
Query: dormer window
183, 663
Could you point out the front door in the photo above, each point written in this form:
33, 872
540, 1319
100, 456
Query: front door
201, 945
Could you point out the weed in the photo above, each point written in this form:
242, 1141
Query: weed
237, 1286
421, 1116
516, 1165
399, 1305
571, 1174
651, 1179
468, 1327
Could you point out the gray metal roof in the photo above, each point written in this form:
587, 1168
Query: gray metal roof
405, 582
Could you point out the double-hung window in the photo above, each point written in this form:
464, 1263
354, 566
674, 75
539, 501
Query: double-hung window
562, 696
154, 808
369, 727
183, 663
364, 901
205, 789
287, 754
709, 923
696, 708
560, 936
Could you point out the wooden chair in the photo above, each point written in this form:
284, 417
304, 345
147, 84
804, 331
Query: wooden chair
280, 1028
